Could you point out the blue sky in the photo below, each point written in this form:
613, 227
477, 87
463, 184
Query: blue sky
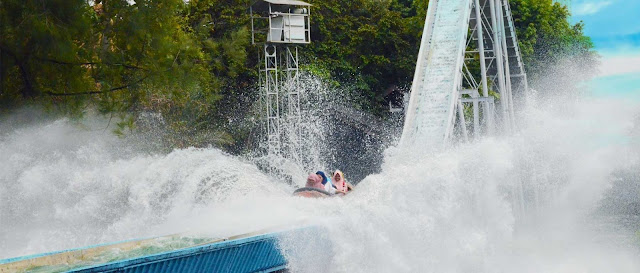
614, 27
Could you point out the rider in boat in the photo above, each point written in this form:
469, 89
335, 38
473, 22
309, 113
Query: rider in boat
339, 182
326, 181
316, 186
314, 181
319, 185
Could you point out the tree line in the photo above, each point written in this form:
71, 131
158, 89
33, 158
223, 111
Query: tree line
192, 61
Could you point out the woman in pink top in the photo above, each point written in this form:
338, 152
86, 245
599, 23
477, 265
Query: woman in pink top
339, 182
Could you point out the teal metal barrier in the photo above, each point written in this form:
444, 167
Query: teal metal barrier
255, 252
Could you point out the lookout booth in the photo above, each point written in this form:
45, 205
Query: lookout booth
280, 26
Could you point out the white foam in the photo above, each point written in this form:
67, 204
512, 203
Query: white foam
458, 210
461, 210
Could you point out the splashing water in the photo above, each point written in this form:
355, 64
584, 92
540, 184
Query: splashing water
521, 203
64, 187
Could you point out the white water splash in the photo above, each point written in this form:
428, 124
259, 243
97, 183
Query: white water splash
458, 210
523, 203
63, 187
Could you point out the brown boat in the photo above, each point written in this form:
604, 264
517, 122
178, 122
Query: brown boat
319, 193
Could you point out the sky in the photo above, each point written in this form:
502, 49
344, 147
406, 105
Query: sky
614, 27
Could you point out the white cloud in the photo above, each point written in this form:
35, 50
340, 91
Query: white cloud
589, 8
621, 64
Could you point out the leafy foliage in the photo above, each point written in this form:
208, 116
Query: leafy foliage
193, 63
372, 45
66, 50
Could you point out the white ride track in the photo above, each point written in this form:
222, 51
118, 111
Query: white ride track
432, 108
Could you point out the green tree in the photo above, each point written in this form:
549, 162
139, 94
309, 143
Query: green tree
44, 49
372, 45
114, 55
222, 30
193, 63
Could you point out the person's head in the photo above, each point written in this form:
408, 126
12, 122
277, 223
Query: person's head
338, 176
324, 177
339, 182
314, 181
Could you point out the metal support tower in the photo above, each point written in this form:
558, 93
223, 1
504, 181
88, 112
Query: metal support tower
271, 91
281, 25
493, 43
283, 115
460, 35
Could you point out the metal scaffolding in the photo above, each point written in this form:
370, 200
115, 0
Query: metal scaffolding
271, 92
458, 33
281, 25
294, 115
493, 42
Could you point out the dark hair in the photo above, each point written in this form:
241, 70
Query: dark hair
324, 177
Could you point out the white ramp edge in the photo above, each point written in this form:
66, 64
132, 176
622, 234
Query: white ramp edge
437, 80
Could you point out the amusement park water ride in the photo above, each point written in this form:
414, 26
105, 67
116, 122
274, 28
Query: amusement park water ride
455, 31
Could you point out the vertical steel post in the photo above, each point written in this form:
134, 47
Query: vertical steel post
272, 99
463, 122
483, 66
507, 71
308, 27
262, 102
294, 117
269, 22
499, 62
476, 117
480, 33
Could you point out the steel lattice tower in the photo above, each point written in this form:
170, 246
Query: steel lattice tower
458, 34
281, 25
